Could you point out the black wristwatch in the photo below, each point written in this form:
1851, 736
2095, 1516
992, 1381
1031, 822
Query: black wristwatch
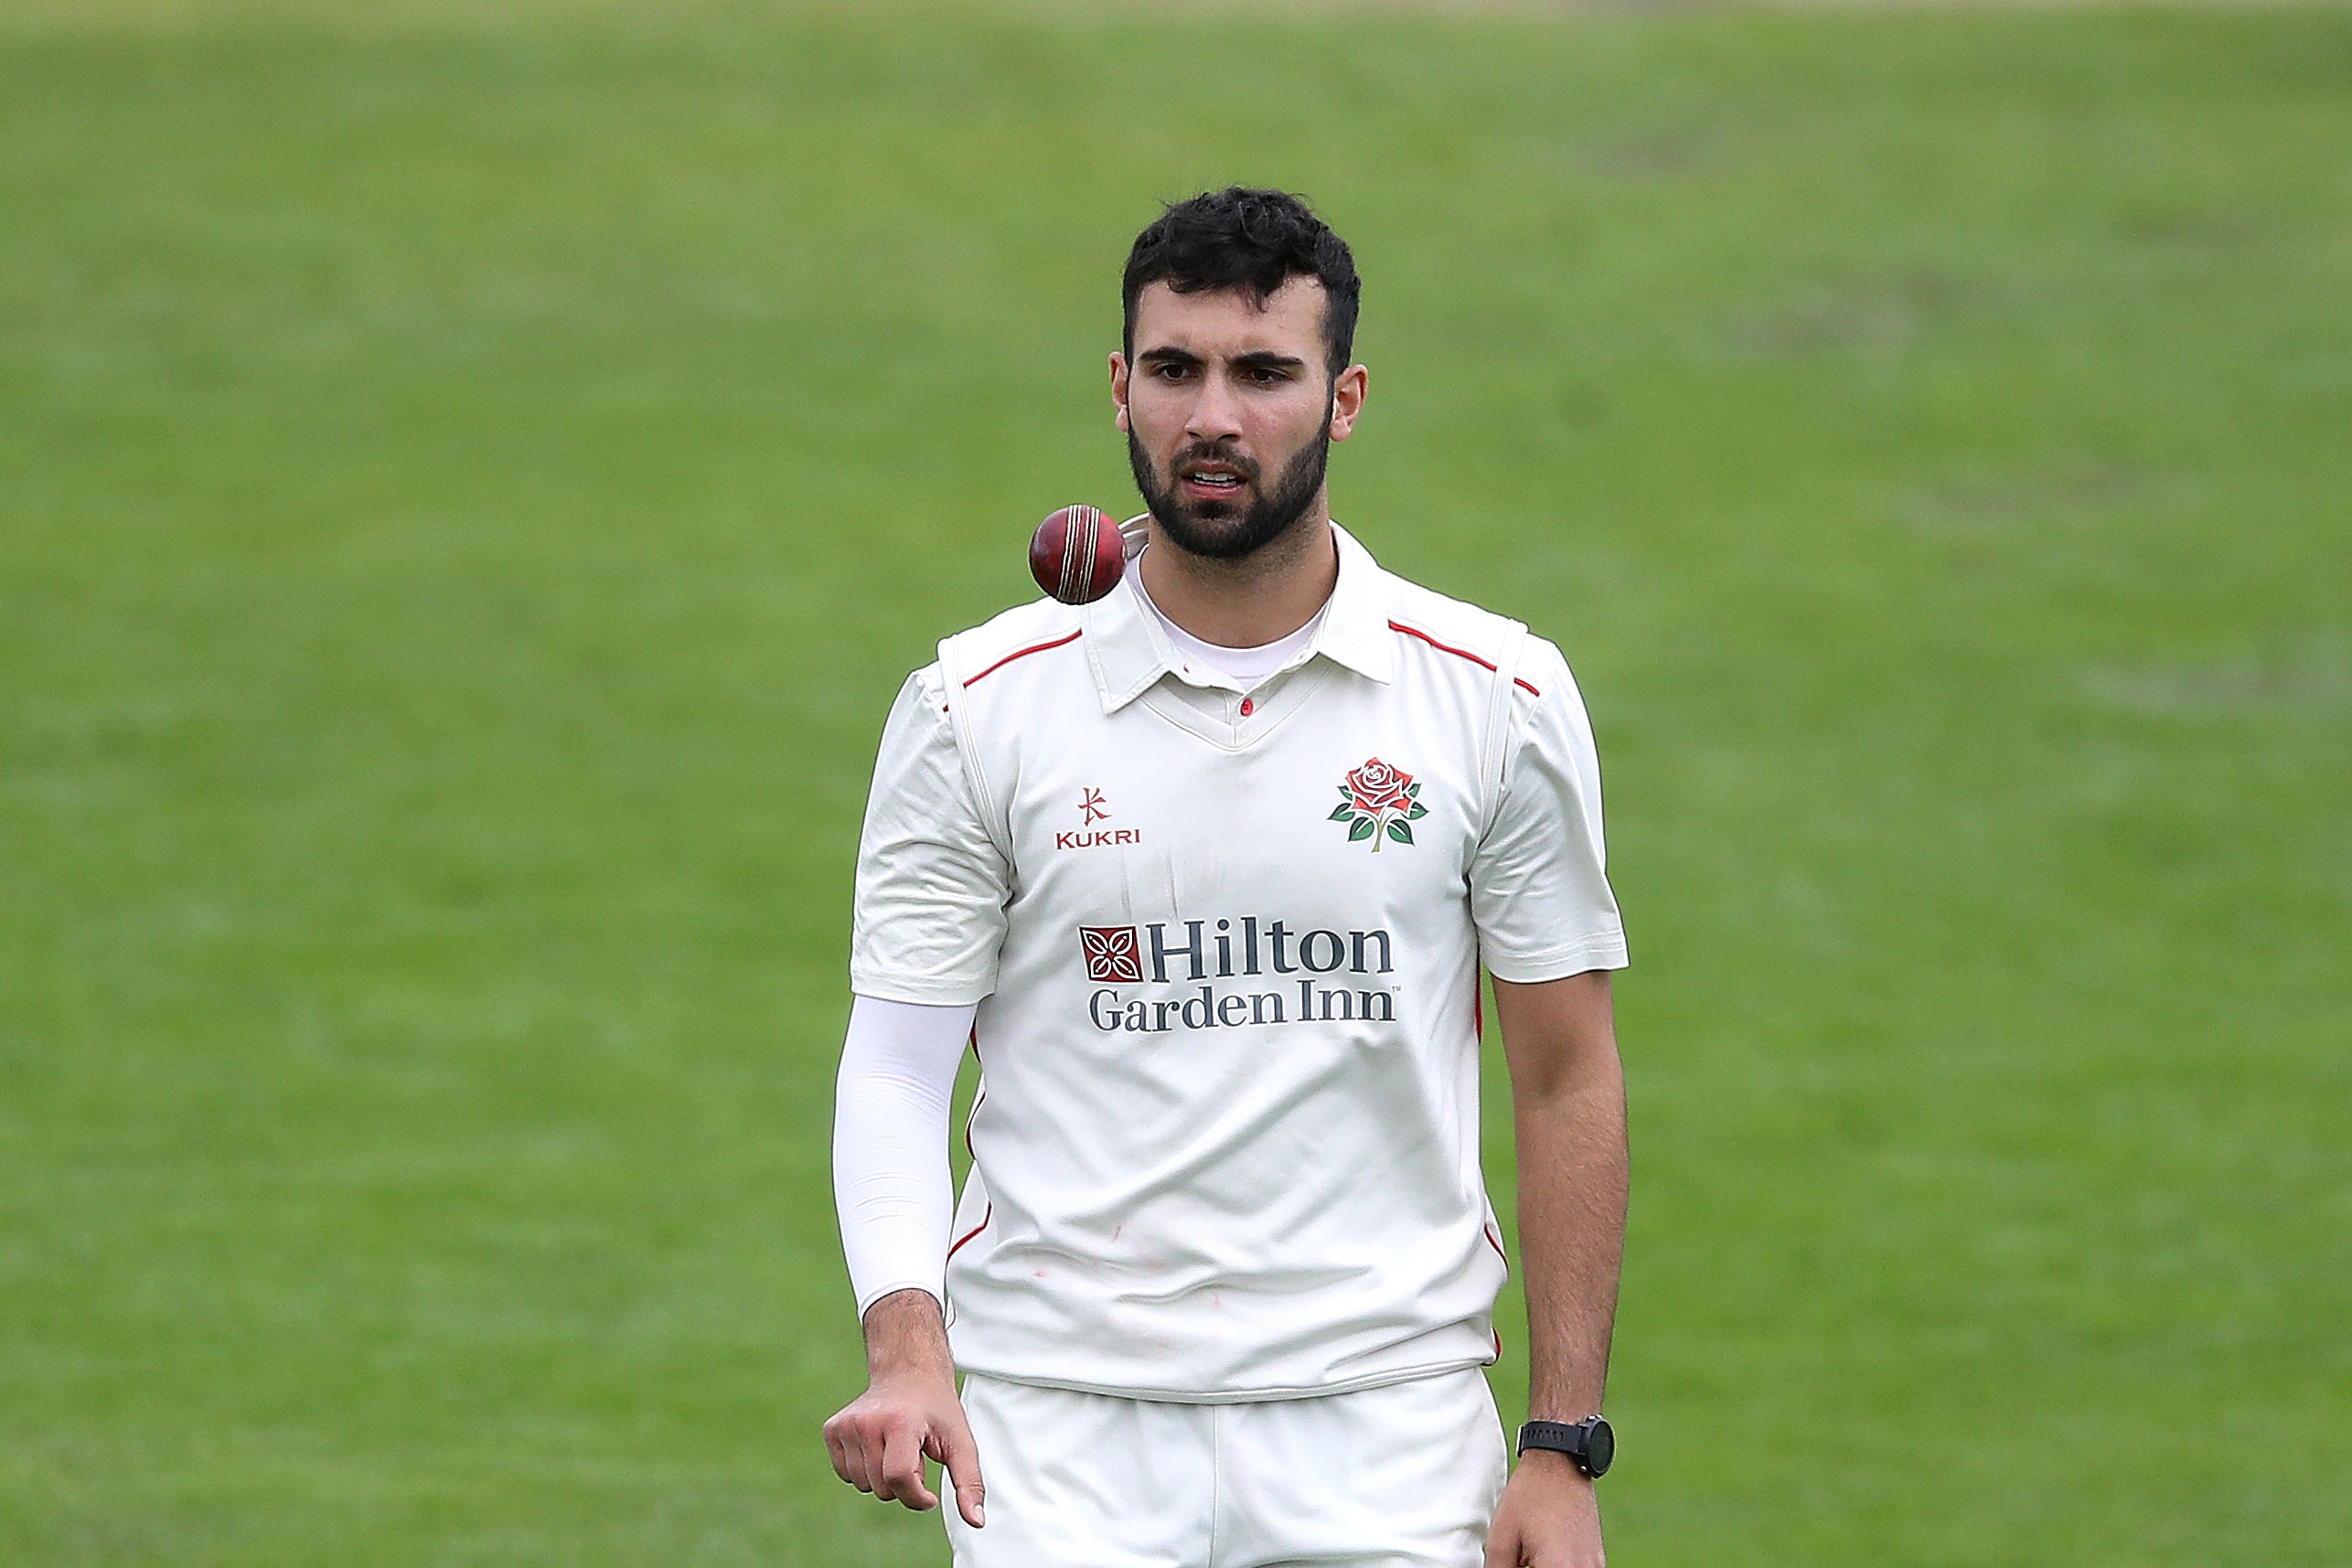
1591, 1442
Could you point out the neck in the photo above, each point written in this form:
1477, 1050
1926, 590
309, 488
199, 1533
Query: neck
1246, 603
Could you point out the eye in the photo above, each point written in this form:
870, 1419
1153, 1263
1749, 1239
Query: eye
1266, 376
1166, 371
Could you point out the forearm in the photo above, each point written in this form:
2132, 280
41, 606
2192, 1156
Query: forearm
1572, 1191
906, 1337
890, 1180
1568, 1113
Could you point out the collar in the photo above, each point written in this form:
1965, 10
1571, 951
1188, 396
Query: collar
1128, 652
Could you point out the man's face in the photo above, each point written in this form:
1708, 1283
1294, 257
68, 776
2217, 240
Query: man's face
1229, 413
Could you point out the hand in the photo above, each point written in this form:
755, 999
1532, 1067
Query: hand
1549, 1517
880, 1440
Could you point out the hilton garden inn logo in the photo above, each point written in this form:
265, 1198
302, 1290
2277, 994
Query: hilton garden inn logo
1286, 971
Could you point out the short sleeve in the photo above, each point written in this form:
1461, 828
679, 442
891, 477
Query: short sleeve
1539, 890
928, 917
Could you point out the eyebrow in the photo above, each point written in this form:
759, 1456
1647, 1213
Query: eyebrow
1258, 359
1267, 359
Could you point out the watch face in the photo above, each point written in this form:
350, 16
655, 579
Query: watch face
1600, 1447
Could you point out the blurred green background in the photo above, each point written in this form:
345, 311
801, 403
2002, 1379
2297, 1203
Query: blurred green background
472, 479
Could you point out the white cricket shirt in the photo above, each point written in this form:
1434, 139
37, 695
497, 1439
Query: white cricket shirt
1225, 948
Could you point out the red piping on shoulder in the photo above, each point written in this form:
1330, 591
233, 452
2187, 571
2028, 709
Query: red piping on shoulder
1037, 648
1441, 648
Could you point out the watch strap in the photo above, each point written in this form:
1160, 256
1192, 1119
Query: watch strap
1589, 1443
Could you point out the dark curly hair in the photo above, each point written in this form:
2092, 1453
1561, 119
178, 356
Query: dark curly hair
1241, 238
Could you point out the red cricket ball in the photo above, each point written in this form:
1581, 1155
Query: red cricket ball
1078, 554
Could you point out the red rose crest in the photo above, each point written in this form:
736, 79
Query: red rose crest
1379, 802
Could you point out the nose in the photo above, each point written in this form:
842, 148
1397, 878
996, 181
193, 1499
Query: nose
1217, 414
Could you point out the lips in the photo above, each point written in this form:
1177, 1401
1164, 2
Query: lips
1213, 477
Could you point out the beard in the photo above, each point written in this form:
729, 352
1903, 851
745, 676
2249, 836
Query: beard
1219, 530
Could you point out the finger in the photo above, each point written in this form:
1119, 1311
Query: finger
840, 1455
1502, 1548
952, 1443
902, 1468
857, 1464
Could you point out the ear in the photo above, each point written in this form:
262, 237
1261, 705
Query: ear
1118, 386
1347, 400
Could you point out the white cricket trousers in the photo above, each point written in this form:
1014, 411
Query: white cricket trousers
1403, 1476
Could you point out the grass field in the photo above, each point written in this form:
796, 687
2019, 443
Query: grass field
471, 482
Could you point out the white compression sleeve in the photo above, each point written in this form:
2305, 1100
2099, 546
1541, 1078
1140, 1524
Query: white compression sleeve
890, 1185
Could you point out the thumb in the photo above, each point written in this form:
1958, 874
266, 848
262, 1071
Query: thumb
956, 1451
